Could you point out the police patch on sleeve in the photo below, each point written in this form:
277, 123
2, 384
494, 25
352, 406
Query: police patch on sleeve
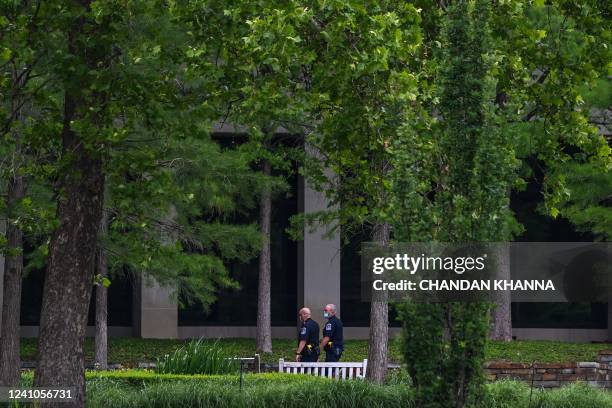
328, 326
303, 331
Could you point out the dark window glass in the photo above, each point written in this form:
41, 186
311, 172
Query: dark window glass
239, 307
542, 228
560, 315
354, 311
119, 300
31, 297
120, 294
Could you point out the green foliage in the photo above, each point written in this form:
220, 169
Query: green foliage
197, 357
511, 394
24, 64
148, 97
100, 280
588, 198
587, 195
453, 174
142, 388
272, 391
543, 351
360, 85
131, 351
453, 188
423, 351
140, 377
554, 56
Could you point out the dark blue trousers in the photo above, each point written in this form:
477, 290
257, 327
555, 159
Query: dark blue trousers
333, 355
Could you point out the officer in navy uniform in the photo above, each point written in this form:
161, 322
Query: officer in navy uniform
308, 338
333, 340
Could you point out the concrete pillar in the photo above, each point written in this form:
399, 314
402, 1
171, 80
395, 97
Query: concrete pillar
157, 304
319, 269
156, 310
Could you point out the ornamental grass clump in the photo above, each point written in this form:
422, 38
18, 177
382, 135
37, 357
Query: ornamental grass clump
198, 357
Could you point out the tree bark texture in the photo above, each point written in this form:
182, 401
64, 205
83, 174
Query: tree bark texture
379, 320
264, 320
501, 328
70, 271
101, 353
10, 361
72, 251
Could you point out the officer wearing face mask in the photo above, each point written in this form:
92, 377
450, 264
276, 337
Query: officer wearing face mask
308, 338
333, 341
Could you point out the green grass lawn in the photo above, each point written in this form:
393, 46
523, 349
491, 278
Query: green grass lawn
130, 351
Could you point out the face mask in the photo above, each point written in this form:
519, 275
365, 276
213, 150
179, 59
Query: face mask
326, 315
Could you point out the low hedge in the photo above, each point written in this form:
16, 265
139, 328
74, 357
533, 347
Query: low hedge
513, 394
139, 378
142, 388
299, 392
273, 390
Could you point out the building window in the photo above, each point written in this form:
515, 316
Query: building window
239, 307
119, 299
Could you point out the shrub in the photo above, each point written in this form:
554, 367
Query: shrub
197, 357
512, 394
142, 377
398, 376
270, 391
144, 388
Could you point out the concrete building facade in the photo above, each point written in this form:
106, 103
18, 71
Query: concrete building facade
318, 274
155, 311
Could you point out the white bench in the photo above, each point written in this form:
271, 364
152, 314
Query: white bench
332, 370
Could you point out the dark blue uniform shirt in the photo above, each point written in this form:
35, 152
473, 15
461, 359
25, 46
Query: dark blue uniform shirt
309, 332
333, 330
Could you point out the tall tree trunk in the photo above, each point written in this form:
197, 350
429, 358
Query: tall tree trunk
72, 251
70, 270
101, 354
501, 328
379, 320
264, 321
10, 361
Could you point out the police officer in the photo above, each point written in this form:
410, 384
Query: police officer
333, 340
308, 338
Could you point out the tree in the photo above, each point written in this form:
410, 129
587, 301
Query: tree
359, 106
101, 283
587, 200
587, 204
455, 186
548, 54
22, 81
72, 249
264, 62
451, 186
99, 78
541, 96
138, 106
13, 265
264, 295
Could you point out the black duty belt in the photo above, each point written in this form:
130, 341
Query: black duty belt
310, 349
